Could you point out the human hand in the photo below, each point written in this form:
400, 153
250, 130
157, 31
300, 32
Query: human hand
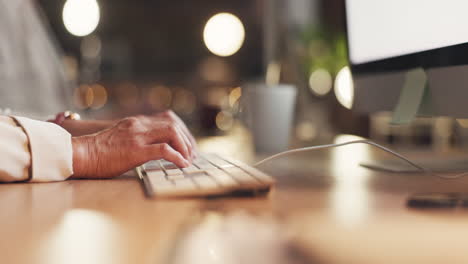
172, 118
86, 127
132, 142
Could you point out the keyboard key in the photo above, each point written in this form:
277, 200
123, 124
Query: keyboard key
203, 164
152, 165
222, 178
259, 175
185, 185
235, 162
205, 182
243, 177
175, 177
217, 161
156, 175
172, 172
162, 187
167, 165
191, 170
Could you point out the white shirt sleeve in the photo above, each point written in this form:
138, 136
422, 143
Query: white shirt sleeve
34, 150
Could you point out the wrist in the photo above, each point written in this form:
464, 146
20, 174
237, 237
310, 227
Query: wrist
85, 127
82, 160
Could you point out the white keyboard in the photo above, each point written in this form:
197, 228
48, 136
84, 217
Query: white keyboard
209, 175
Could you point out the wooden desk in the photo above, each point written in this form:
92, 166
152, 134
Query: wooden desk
332, 210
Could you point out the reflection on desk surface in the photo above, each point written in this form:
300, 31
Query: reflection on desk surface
325, 208
235, 238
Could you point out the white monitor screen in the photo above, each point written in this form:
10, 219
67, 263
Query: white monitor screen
380, 29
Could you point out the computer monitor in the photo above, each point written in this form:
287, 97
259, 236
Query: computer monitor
386, 38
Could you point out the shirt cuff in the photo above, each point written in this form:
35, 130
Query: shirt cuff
51, 150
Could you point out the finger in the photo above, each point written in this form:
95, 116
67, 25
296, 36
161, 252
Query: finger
178, 142
165, 151
168, 133
177, 119
188, 144
189, 136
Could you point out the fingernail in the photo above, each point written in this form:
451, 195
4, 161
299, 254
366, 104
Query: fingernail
186, 163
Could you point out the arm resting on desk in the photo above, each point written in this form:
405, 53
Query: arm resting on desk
35, 151
38, 151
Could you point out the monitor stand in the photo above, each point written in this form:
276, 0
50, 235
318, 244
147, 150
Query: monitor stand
440, 165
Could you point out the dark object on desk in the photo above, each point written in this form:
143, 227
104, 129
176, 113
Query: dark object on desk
463, 200
437, 200
440, 165
433, 200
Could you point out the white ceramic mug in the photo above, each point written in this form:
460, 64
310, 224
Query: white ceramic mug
268, 111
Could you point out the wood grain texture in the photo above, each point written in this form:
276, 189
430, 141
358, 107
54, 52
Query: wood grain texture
333, 210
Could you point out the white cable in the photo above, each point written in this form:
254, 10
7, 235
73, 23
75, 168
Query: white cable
363, 141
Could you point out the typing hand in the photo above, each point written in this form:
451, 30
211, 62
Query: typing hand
132, 142
86, 127
172, 118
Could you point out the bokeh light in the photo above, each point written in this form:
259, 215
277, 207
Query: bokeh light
273, 73
81, 17
350, 196
160, 97
184, 101
234, 96
83, 96
127, 95
344, 88
224, 120
224, 34
99, 96
216, 97
215, 69
306, 131
90, 96
70, 65
320, 82
91, 47
68, 241
463, 122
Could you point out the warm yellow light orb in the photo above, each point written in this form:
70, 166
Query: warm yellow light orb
320, 82
81, 17
224, 34
344, 87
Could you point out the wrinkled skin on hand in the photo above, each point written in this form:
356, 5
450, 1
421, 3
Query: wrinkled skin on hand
131, 142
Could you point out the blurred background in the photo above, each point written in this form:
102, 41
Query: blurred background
139, 57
